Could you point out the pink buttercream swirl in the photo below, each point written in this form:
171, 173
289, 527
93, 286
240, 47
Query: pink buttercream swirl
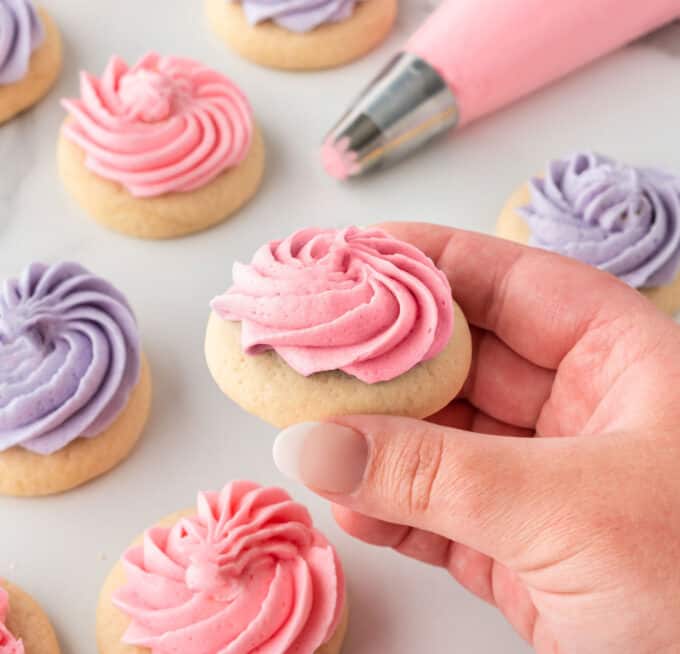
8, 643
356, 300
248, 573
166, 124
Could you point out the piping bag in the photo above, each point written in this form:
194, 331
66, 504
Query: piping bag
472, 57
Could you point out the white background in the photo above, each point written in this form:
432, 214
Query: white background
61, 548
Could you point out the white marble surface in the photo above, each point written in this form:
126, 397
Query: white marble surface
61, 548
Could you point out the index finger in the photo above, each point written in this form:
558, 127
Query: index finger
540, 304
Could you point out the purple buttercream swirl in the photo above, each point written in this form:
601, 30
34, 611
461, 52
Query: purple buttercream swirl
20, 34
622, 219
298, 15
69, 356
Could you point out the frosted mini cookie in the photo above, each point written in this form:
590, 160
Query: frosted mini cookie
161, 149
621, 219
24, 627
244, 572
30, 56
327, 323
301, 34
75, 390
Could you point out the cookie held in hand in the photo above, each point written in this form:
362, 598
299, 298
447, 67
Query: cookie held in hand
335, 322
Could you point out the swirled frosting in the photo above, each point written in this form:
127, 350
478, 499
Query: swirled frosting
21, 33
298, 15
355, 300
622, 219
248, 573
69, 356
166, 124
8, 643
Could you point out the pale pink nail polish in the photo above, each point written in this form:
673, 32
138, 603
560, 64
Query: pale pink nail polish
322, 455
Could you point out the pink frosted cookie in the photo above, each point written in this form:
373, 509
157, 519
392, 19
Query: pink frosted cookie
335, 322
160, 149
24, 627
245, 572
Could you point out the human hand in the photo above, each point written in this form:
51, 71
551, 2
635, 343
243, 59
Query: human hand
551, 486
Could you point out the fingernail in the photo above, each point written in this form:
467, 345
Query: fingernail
322, 455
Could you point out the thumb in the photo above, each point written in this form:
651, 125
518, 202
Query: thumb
492, 493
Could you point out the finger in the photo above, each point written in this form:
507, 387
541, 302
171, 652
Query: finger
512, 598
417, 544
496, 584
492, 494
505, 385
460, 414
537, 302
471, 569
367, 529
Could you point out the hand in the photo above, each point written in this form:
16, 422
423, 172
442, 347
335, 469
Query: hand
551, 487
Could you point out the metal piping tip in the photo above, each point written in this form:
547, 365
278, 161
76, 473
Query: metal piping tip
403, 108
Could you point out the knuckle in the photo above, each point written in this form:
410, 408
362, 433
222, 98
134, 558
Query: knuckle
415, 470
426, 473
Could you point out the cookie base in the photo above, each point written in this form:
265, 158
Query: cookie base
26, 474
164, 216
513, 227
327, 46
265, 385
27, 620
44, 68
112, 623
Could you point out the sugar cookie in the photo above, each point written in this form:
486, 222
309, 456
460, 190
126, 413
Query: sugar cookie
162, 149
274, 34
76, 387
24, 627
32, 62
328, 323
621, 219
285, 591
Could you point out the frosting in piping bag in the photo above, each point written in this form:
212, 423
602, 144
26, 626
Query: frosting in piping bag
20, 34
354, 300
622, 219
8, 643
247, 574
69, 356
166, 124
298, 15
